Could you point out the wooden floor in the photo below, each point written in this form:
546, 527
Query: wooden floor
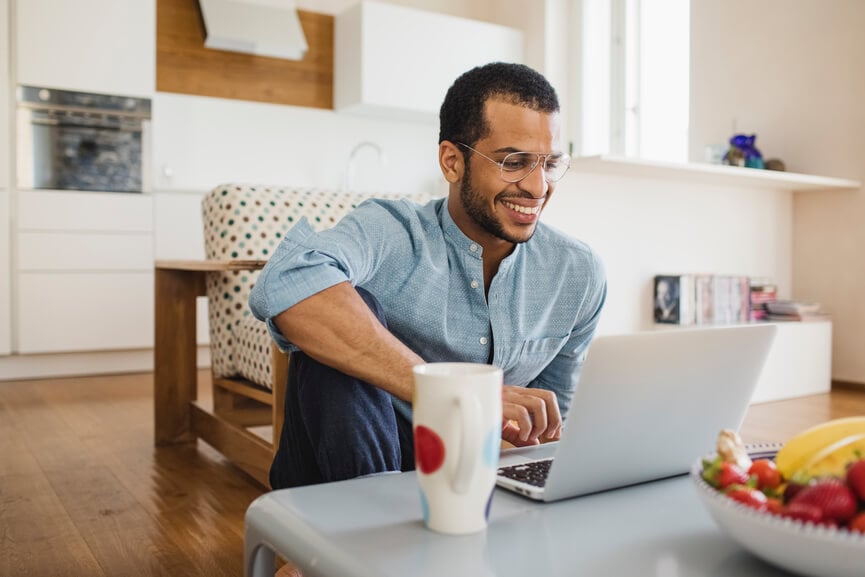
83, 492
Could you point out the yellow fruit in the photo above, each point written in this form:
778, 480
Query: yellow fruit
833, 460
800, 450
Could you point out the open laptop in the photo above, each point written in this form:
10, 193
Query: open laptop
647, 406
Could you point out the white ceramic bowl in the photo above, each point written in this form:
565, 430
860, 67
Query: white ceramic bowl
802, 548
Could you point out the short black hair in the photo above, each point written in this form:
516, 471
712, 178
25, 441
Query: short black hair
461, 118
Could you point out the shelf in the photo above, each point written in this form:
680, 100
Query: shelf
710, 173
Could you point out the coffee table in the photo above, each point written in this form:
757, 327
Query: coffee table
372, 527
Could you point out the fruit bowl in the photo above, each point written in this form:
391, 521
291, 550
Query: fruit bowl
799, 547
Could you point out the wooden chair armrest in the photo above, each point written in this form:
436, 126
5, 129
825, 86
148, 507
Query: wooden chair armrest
211, 265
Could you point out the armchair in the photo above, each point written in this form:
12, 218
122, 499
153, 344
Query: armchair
244, 224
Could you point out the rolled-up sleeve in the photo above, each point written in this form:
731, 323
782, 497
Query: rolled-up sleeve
307, 262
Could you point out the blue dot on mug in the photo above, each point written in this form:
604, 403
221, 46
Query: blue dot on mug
425, 507
492, 444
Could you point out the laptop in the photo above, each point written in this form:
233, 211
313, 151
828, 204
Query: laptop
647, 406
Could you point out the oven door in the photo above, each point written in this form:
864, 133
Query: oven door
73, 150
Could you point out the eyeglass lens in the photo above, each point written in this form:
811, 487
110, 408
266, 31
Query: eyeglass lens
518, 165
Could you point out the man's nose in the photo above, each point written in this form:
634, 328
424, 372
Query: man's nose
535, 183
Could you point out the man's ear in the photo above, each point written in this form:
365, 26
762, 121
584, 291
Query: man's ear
451, 161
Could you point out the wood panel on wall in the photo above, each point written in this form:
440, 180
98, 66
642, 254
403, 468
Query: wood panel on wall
185, 66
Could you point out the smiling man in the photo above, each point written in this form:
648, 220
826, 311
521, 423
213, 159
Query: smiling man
474, 277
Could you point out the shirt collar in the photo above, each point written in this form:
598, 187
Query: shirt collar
458, 238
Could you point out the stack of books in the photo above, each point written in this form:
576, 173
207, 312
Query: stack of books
763, 292
786, 310
697, 299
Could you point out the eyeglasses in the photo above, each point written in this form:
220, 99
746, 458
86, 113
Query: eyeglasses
518, 165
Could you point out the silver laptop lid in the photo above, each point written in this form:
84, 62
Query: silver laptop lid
649, 404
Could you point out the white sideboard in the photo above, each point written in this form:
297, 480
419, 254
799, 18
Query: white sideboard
799, 364
84, 271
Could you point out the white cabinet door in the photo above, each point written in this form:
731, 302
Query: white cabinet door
179, 235
84, 211
5, 277
106, 46
82, 251
84, 271
5, 266
4, 95
376, 43
67, 312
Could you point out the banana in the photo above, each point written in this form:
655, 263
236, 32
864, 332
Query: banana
799, 450
833, 459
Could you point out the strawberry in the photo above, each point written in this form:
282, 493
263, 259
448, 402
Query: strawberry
731, 474
774, 505
832, 497
856, 478
747, 496
858, 523
721, 474
767, 474
803, 512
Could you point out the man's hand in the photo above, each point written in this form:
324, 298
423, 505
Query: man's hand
529, 415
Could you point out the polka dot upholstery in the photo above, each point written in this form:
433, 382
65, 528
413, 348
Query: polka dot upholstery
247, 222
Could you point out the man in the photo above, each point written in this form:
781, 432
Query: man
473, 277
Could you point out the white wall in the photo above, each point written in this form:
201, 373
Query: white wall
644, 226
199, 142
794, 74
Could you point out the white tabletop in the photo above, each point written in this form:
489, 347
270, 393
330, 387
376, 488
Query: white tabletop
372, 527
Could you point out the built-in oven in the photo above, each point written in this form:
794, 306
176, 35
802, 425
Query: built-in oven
80, 141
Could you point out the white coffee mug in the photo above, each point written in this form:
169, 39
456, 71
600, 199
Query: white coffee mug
457, 426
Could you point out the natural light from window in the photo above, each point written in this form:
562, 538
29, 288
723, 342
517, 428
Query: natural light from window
635, 78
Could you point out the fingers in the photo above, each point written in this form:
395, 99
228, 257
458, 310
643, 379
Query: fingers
535, 412
511, 434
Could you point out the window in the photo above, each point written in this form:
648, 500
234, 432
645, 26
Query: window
634, 78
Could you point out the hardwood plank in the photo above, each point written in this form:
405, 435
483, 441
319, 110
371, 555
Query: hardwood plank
15, 457
185, 66
37, 536
778, 421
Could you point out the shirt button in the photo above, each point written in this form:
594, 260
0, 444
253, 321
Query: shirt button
483, 340
475, 284
473, 248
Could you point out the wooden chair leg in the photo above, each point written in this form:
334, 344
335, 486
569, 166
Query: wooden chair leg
280, 380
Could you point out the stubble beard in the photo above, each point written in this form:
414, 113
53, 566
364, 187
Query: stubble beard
475, 206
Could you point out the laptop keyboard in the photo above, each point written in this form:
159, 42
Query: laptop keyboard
533, 473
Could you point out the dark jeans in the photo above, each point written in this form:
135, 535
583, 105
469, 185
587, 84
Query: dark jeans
336, 426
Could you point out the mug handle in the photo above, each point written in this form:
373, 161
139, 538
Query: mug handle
469, 409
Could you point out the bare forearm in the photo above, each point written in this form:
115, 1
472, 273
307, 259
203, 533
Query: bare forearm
336, 328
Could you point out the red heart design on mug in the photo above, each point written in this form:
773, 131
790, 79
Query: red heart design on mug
429, 450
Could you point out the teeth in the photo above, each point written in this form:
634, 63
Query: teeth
523, 209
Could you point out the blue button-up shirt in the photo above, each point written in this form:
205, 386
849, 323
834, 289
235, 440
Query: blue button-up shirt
535, 323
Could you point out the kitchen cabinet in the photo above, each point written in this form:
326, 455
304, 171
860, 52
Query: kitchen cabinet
5, 175
5, 87
398, 62
179, 235
106, 46
84, 271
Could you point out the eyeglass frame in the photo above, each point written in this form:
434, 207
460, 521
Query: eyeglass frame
539, 155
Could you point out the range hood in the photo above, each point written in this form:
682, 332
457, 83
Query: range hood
260, 27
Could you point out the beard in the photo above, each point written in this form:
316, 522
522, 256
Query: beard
477, 209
